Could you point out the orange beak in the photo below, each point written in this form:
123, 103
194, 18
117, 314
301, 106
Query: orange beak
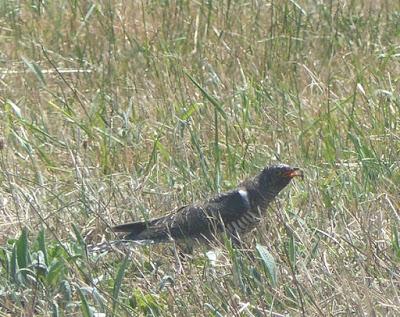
295, 172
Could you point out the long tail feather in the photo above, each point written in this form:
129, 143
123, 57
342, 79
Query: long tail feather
154, 229
136, 227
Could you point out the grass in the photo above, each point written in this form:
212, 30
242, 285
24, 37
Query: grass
117, 111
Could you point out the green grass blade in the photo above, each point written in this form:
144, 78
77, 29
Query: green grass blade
78, 236
396, 242
14, 264
292, 250
16, 109
189, 112
208, 96
118, 282
5, 260
35, 69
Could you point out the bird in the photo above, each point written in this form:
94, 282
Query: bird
235, 212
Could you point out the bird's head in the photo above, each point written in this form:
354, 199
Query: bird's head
274, 178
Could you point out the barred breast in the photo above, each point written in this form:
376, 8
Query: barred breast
247, 221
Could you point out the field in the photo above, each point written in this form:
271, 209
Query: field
115, 111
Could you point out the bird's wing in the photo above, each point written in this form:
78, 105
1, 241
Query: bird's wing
154, 229
210, 217
197, 220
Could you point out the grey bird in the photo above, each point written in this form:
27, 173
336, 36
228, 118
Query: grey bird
235, 212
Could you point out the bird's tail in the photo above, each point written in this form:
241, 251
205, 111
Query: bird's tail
155, 230
136, 227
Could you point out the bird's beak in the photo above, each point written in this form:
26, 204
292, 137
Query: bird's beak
295, 172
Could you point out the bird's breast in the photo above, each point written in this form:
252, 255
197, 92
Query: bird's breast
244, 224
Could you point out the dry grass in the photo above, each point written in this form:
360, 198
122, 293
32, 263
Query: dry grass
116, 111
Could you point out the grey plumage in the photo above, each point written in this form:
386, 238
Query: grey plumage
236, 211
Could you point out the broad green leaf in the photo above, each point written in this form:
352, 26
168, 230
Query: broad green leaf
56, 271
54, 311
84, 304
65, 290
23, 255
42, 244
269, 263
